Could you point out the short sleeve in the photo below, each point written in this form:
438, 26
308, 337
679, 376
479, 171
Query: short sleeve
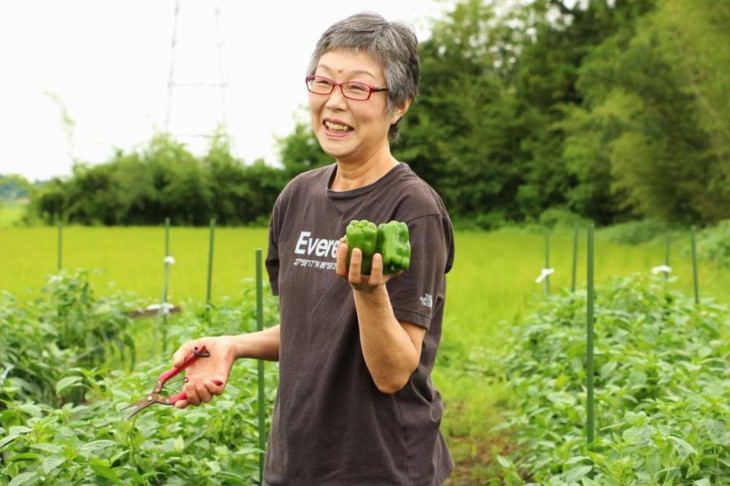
272, 255
418, 293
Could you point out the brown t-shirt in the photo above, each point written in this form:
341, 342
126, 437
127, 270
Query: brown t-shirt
331, 425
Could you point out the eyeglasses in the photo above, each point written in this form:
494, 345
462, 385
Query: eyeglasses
351, 90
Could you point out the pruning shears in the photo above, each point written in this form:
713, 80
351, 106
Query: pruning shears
156, 397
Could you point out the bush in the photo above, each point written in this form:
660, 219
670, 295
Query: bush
65, 329
635, 232
661, 397
557, 217
714, 244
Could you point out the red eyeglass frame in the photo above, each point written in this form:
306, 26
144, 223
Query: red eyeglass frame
371, 89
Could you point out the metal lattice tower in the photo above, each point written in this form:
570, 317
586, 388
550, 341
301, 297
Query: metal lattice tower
196, 86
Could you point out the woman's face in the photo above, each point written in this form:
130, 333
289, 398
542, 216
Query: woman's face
351, 130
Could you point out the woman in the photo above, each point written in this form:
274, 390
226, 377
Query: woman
355, 403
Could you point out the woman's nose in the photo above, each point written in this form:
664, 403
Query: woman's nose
336, 99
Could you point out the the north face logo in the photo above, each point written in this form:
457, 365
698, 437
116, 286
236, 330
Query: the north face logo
427, 301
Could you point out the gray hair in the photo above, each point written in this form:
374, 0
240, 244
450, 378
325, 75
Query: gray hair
393, 44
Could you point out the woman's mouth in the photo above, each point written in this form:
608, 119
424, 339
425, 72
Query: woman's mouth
337, 128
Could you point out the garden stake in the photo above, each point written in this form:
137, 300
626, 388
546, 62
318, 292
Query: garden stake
575, 258
589, 340
666, 256
210, 268
547, 261
694, 266
60, 242
163, 305
260, 327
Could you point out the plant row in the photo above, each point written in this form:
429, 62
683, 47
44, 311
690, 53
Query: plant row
63, 408
662, 404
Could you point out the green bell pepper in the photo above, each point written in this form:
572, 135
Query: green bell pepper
391, 240
394, 246
364, 235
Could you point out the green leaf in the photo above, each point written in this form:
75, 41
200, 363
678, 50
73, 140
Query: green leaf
97, 444
102, 469
684, 448
24, 478
717, 432
702, 482
24, 456
18, 430
7, 440
46, 447
68, 382
575, 474
608, 368
179, 444
51, 463
575, 459
504, 462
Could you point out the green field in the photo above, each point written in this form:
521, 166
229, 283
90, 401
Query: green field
11, 213
492, 283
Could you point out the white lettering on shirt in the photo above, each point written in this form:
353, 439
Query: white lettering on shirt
306, 245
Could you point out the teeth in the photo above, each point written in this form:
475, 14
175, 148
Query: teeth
337, 126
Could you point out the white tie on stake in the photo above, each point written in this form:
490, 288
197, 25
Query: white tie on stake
665, 269
169, 260
544, 274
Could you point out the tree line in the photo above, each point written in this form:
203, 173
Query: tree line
609, 110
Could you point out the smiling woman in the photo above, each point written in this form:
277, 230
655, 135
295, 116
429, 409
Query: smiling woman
355, 403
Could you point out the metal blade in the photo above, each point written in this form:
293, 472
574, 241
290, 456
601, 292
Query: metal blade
140, 405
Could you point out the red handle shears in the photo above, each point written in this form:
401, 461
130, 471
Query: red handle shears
156, 397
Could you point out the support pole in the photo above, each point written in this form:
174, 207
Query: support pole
589, 340
208, 288
261, 396
694, 266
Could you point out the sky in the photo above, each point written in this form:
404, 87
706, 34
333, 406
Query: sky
81, 78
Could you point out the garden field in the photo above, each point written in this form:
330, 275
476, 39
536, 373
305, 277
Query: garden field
491, 289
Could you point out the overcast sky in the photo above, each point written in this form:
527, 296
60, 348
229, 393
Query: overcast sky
107, 63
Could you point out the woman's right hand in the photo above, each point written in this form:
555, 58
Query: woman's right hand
203, 374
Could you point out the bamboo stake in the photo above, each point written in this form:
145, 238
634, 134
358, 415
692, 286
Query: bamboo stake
547, 261
694, 266
589, 340
260, 327
210, 268
575, 258
60, 243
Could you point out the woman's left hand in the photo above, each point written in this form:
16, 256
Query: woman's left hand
358, 281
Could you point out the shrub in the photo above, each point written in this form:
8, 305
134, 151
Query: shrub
634, 232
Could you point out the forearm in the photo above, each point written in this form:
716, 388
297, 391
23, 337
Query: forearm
258, 345
391, 353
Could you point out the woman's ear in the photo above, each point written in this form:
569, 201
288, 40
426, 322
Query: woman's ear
399, 112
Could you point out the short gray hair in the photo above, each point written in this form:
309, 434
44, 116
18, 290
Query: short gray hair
393, 44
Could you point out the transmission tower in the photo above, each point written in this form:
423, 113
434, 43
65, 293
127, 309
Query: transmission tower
196, 85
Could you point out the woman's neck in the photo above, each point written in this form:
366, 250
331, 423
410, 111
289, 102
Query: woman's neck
353, 175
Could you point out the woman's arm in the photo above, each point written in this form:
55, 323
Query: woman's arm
391, 348
203, 374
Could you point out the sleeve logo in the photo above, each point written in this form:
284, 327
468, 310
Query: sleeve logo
427, 301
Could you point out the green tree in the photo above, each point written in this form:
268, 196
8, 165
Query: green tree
300, 151
644, 128
14, 187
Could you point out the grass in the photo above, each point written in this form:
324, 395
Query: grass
491, 285
10, 213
